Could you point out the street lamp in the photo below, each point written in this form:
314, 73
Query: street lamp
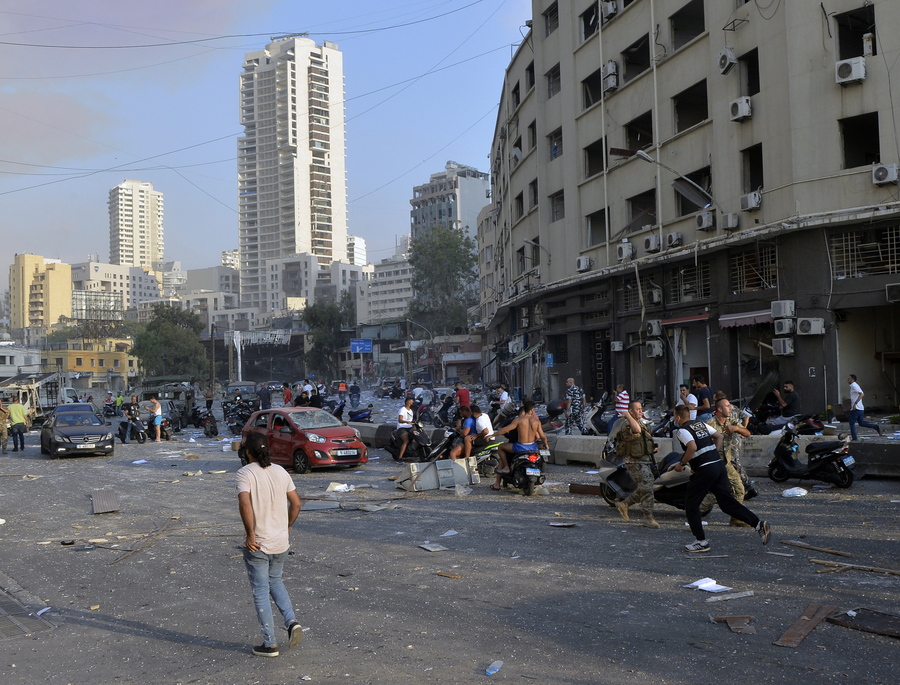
534, 244
703, 193
429, 335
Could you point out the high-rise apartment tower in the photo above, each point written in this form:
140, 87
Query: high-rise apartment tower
135, 224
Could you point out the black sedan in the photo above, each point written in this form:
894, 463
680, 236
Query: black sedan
76, 433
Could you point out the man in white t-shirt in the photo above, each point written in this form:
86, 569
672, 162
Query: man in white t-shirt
483, 428
404, 423
269, 505
686, 398
857, 410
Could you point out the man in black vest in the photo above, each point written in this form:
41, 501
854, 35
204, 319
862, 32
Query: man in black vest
701, 444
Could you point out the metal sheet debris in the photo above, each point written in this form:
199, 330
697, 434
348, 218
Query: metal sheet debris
737, 624
869, 621
803, 626
731, 595
104, 501
432, 547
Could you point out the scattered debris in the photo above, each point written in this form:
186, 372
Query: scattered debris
463, 490
104, 501
67, 543
561, 524
319, 505
97, 541
42, 611
95, 607
2, 521
804, 625
823, 486
731, 595
339, 487
780, 554
869, 621
218, 472
737, 624
707, 585
192, 473
83, 548
140, 461
447, 575
432, 547
191, 456
449, 533
795, 492
46, 542
827, 550
493, 668
838, 567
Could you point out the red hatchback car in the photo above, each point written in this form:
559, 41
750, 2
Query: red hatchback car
305, 437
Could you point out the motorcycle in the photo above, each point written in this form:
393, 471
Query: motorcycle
526, 470
826, 461
446, 415
206, 419
665, 427
599, 416
417, 449
354, 400
138, 430
109, 409
551, 421
166, 428
237, 414
361, 415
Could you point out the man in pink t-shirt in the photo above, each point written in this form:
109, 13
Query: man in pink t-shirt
622, 400
269, 505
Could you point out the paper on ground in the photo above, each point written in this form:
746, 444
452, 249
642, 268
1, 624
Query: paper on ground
707, 585
140, 461
449, 533
338, 487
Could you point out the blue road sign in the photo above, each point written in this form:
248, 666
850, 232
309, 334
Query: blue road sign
361, 345
548, 360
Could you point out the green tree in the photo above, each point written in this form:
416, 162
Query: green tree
326, 321
445, 276
170, 344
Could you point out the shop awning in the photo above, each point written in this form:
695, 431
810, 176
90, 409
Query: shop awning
526, 353
686, 319
745, 318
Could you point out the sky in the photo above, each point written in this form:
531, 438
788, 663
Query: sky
93, 92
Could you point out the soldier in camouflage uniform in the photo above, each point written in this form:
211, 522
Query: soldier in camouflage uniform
635, 445
734, 431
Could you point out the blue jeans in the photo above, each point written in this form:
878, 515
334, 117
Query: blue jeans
18, 435
704, 416
857, 416
264, 571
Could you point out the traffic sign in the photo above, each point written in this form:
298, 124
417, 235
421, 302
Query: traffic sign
361, 345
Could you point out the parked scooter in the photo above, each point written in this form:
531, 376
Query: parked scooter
418, 448
526, 470
208, 422
354, 400
665, 427
237, 413
553, 421
446, 414
599, 416
138, 430
826, 461
360, 415
109, 410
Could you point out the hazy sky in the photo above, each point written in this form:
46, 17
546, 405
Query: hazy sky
93, 92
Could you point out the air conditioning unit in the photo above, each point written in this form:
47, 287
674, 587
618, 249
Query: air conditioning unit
654, 348
582, 264
654, 328
611, 68
610, 76
616, 346
882, 174
784, 326
515, 346
851, 70
810, 326
783, 309
726, 59
731, 221
674, 239
706, 221
651, 243
608, 10
741, 109
782, 347
892, 292
655, 296
751, 201
624, 250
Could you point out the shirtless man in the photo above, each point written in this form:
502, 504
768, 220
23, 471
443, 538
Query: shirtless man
529, 432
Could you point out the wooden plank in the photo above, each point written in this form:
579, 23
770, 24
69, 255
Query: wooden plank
827, 550
839, 567
104, 501
730, 595
803, 626
580, 489
870, 621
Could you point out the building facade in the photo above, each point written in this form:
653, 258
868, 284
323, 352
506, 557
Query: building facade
452, 198
291, 168
135, 284
686, 187
135, 224
386, 295
356, 250
40, 292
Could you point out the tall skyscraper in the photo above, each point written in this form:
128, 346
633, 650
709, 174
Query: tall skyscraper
135, 224
453, 198
291, 180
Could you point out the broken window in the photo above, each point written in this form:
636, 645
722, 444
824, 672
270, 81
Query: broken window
555, 143
687, 23
750, 72
690, 283
636, 58
557, 206
639, 132
595, 158
861, 142
642, 211
688, 199
517, 151
868, 252
592, 89
753, 168
856, 32
551, 19
529, 76
754, 269
532, 135
532, 194
595, 224
516, 96
554, 82
520, 260
589, 22
691, 107
518, 207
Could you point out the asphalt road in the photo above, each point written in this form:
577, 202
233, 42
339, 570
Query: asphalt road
166, 599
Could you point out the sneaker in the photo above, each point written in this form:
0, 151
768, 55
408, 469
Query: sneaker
623, 510
764, 531
650, 522
262, 650
699, 546
295, 632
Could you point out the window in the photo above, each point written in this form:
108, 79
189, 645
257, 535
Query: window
520, 260
754, 269
592, 89
595, 224
860, 140
636, 58
642, 211
116, 363
595, 158
557, 206
589, 22
533, 194
554, 83
749, 64
558, 346
688, 199
102, 362
690, 283
687, 23
517, 150
856, 32
532, 135
551, 19
529, 77
869, 252
518, 207
79, 361
639, 132
753, 168
555, 143
516, 96
691, 107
